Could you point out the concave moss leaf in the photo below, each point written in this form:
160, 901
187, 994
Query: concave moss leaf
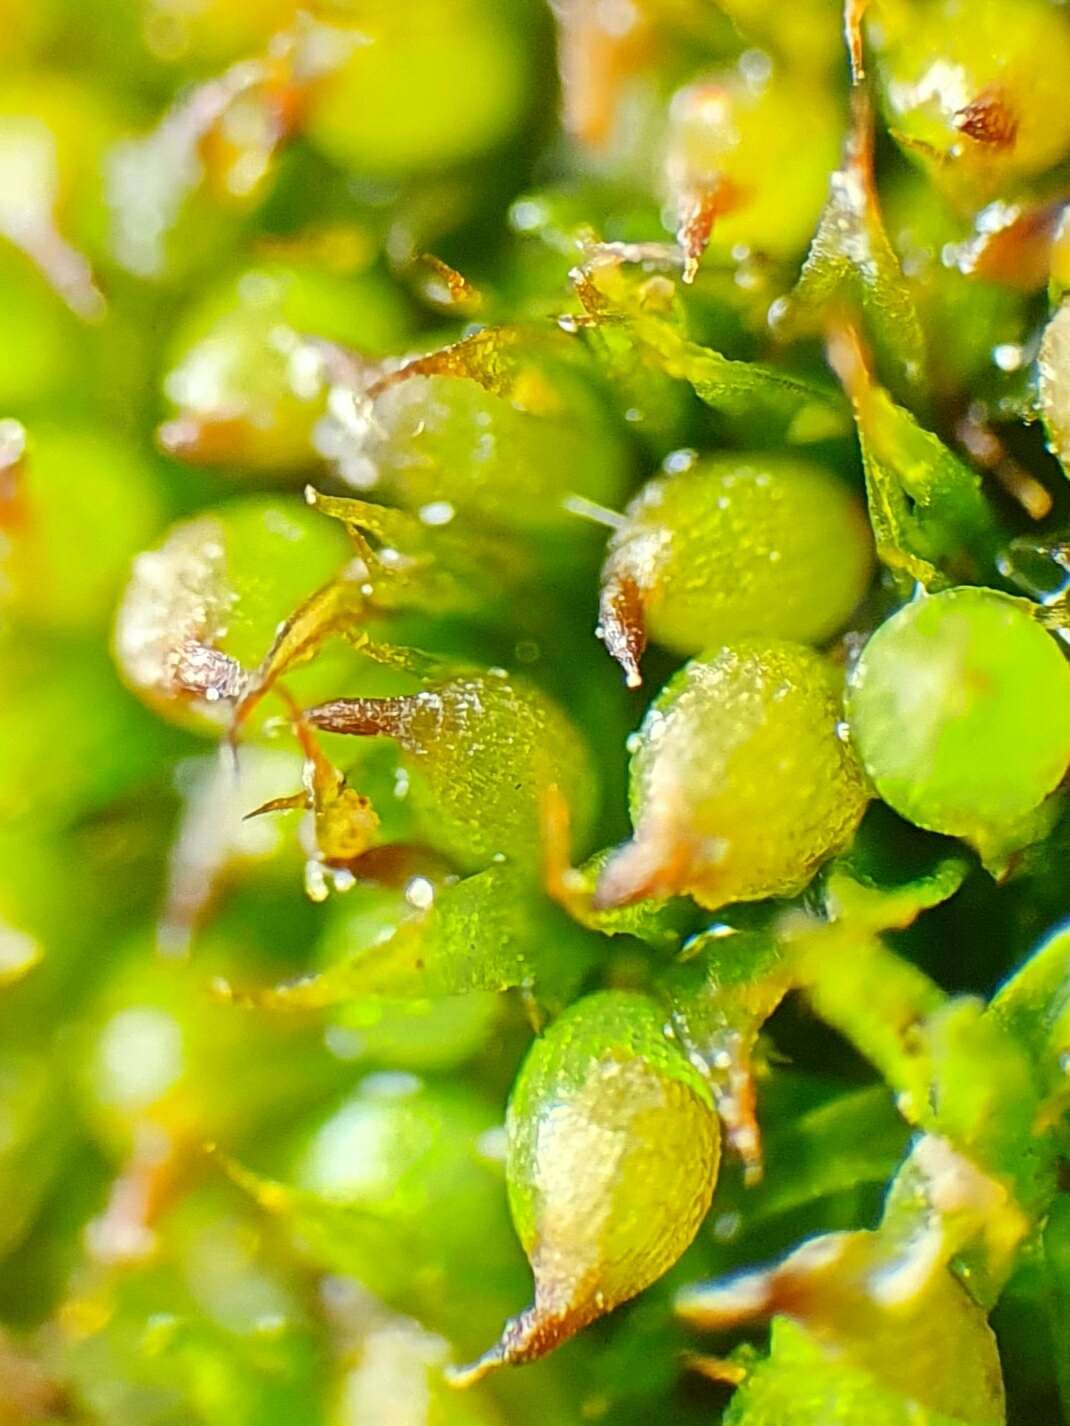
803, 1384
985, 1097
415, 564
855, 981
731, 979
931, 522
799, 411
890, 875
1033, 1006
400, 564
852, 266
861, 1308
498, 358
718, 999
877, 1000
777, 404
489, 931
954, 1069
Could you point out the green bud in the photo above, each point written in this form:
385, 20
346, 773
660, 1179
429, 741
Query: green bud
730, 547
613, 1149
960, 709
202, 609
741, 783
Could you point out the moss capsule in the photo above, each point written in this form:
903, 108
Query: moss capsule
730, 547
79, 505
496, 433
960, 709
247, 380
734, 167
613, 1149
203, 607
420, 88
482, 748
741, 783
974, 88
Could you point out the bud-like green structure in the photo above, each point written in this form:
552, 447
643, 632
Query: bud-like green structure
613, 1148
742, 782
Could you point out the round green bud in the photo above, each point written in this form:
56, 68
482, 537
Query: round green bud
203, 607
613, 1150
734, 144
401, 1187
81, 505
154, 1048
733, 546
246, 379
419, 1035
960, 710
975, 88
482, 750
419, 88
212, 32
742, 780
447, 446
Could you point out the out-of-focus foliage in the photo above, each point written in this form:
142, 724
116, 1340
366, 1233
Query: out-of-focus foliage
375, 959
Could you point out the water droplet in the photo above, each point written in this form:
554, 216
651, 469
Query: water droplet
316, 888
526, 215
778, 312
726, 1226
391, 1084
438, 512
756, 67
420, 893
343, 1042
492, 1144
679, 460
1008, 356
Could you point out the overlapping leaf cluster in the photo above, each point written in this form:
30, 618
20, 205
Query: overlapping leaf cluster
343, 990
